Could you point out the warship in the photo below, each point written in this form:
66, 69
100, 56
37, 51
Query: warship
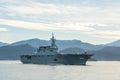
51, 55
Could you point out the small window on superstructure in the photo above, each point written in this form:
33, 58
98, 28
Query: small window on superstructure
55, 59
51, 50
28, 57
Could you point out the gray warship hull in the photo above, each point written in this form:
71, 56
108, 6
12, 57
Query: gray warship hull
51, 55
66, 59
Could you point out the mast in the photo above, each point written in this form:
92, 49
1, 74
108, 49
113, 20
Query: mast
53, 40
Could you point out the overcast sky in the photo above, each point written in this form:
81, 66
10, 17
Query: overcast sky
93, 21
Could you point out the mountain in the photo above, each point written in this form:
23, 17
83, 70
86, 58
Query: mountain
32, 42
107, 53
3, 44
62, 44
73, 51
14, 52
115, 43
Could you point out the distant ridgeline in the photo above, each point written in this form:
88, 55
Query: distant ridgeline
109, 51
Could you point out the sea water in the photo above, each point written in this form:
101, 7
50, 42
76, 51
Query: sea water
94, 70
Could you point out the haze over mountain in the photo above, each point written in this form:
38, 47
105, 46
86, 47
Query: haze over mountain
33, 42
115, 43
74, 50
62, 44
14, 52
108, 53
3, 44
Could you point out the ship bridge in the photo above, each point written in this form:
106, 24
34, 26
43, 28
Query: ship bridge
48, 50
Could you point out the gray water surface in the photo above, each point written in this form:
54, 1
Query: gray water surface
99, 70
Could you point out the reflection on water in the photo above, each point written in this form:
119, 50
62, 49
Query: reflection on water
99, 70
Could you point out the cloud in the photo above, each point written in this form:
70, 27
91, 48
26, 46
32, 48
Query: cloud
34, 8
50, 16
104, 34
108, 37
37, 8
3, 29
23, 24
4, 1
63, 12
84, 28
47, 26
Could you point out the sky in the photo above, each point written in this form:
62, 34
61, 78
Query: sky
92, 21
